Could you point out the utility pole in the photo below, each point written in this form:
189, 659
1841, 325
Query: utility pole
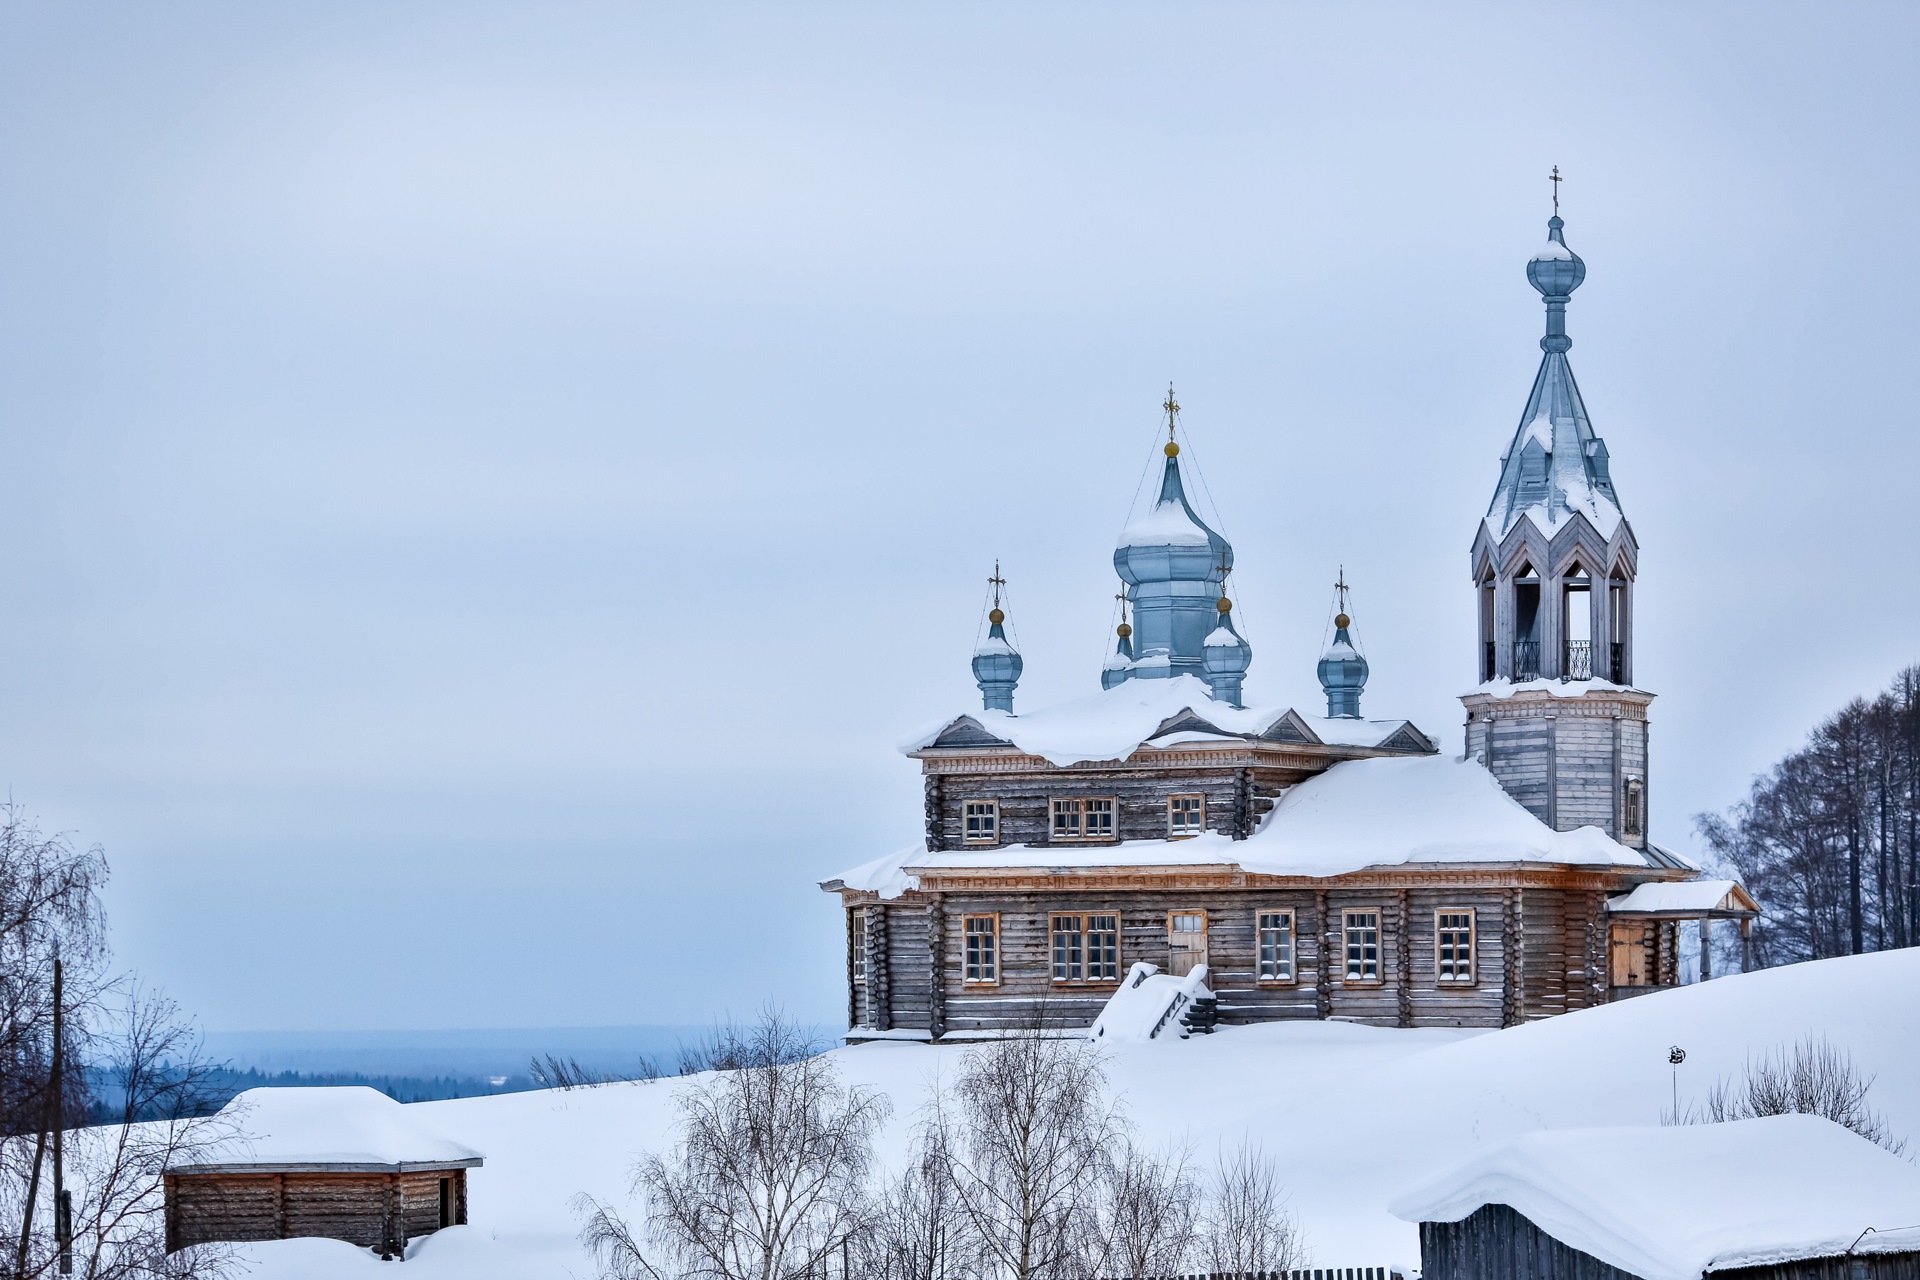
62, 1199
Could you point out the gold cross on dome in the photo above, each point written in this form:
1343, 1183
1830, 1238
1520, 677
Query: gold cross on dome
1340, 585
996, 582
1555, 179
1172, 406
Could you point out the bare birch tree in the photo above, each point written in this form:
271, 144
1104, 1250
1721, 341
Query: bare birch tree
917, 1231
768, 1180
1027, 1133
1147, 1219
1247, 1228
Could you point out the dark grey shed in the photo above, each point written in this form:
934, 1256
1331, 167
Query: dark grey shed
1780, 1198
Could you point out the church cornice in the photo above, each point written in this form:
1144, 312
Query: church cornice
1312, 758
1149, 879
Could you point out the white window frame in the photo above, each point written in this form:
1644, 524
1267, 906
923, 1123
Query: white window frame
1284, 972
1352, 937
1086, 816
988, 811
1441, 960
1176, 808
1074, 959
980, 949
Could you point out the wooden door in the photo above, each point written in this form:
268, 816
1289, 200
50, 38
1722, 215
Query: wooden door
1186, 941
1628, 954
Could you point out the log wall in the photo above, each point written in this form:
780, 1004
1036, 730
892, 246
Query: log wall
371, 1209
1236, 798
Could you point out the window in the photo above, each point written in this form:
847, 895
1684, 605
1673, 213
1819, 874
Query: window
1186, 816
1363, 946
1083, 819
1186, 941
982, 935
1633, 808
1086, 948
982, 821
1276, 946
858, 942
1453, 943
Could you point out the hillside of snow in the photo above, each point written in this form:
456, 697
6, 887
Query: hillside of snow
1354, 1114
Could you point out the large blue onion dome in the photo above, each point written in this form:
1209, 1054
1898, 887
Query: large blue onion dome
1556, 270
1170, 543
997, 664
1343, 672
1225, 657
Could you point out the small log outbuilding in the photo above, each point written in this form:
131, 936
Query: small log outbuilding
1780, 1198
345, 1163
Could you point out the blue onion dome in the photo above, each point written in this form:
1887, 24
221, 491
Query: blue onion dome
997, 665
1343, 672
1556, 270
1170, 543
1225, 656
1120, 661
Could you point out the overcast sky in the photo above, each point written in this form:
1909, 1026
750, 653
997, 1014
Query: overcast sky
487, 487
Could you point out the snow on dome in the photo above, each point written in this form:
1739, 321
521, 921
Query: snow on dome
1340, 651
1554, 251
1221, 638
993, 646
350, 1125
1700, 1198
1167, 525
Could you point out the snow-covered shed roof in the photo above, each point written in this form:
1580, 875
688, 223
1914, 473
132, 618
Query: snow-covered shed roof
1116, 722
1674, 1203
1686, 896
346, 1129
1375, 812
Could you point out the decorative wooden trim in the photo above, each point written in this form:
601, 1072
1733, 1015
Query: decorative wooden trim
965, 920
1054, 804
1473, 949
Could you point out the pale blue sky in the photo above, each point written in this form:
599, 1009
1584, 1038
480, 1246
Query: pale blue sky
488, 485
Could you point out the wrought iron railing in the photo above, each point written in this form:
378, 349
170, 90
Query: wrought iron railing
1579, 661
1526, 659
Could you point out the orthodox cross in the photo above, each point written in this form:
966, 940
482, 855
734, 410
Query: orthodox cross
1555, 179
996, 582
1340, 585
1172, 407
1223, 567
1121, 596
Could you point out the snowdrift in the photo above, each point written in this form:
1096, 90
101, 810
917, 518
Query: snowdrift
1355, 1115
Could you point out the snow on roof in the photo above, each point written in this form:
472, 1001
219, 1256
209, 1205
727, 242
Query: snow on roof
1384, 811
1505, 688
350, 1126
1112, 724
1221, 638
1686, 895
1148, 1004
1674, 1203
1554, 252
992, 647
1167, 525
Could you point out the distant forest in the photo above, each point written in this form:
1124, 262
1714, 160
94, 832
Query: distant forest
1828, 840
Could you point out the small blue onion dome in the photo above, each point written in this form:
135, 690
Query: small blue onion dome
1225, 657
1343, 672
997, 665
1556, 270
1119, 665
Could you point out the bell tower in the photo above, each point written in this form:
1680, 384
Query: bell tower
1556, 717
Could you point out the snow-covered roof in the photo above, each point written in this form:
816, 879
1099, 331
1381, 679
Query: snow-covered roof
351, 1127
1377, 812
1556, 467
1168, 524
1674, 1203
1505, 688
1684, 895
1114, 723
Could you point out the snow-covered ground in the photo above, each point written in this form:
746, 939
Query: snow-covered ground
1354, 1114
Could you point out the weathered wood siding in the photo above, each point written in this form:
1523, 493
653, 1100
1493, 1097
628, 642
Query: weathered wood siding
1236, 798
1496, 1242
361, 1208
1563, 951
1567, 761
1406, 995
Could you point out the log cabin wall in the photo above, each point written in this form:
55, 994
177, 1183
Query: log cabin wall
363, 1208
1407, 993
1563, 951
1496, 1242
1236, 799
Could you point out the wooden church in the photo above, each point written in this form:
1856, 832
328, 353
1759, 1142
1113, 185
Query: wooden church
1320, 866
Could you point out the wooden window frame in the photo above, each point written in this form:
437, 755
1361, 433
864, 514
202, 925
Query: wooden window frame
1473, 947
857, 944
1633, 807
1293, 947
1080, 836
993, 812
1347, 929
1186, 795
966, 935
1081, 933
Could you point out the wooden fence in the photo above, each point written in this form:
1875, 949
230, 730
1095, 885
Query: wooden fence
1310, 1273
